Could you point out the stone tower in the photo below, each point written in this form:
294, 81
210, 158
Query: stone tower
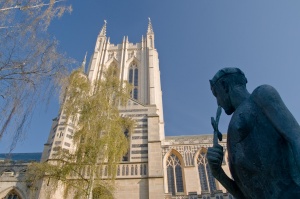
140, 174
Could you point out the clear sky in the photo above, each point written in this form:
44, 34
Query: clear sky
194, 39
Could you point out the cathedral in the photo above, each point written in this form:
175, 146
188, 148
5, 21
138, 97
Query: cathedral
157, 166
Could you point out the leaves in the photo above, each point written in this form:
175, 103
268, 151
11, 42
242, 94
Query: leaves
99, 139
31, 67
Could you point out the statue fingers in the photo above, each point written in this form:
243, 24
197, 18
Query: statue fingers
216, 161
215, 158
215, 148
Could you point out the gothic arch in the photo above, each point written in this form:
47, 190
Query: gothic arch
134, 79
206, 180
12, 190
174, 151
174, 172
202, 149
133, 59
112, 62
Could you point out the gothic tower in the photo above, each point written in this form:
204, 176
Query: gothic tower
140, 174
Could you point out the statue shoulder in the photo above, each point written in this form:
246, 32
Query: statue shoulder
266, 95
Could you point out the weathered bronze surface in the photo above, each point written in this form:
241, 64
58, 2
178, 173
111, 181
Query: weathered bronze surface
263, 140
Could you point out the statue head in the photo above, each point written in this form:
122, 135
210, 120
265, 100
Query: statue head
224, 83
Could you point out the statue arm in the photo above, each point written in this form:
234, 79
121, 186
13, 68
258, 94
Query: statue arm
269, 100
215, 158
230, 185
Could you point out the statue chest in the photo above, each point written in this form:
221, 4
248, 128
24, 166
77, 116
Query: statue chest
255, 150
252, 139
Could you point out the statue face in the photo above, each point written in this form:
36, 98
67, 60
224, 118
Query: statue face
223, 98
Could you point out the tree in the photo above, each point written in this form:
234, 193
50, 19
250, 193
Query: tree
30, 64
100, 137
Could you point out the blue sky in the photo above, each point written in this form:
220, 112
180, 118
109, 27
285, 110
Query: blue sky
194, 40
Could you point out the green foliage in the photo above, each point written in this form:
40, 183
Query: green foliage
99, 136
31, 65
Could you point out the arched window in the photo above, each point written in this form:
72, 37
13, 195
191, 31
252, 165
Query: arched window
134, 79
12, 195
174, 174
207, 181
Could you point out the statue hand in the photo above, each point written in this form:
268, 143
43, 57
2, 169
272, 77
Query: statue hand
215, 158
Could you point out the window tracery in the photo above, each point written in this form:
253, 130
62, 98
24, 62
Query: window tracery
133, 79
207, 180
12, 195
174, 174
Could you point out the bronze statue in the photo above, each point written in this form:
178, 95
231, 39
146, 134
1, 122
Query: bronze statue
263, 140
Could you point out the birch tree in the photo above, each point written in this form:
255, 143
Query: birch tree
30, 64
100, 137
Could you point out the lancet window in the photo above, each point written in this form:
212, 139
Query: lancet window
12, 195
134, 79
174, 174
207, 181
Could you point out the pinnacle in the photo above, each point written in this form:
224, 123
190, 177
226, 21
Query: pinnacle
150, 28
103, 30
83, 63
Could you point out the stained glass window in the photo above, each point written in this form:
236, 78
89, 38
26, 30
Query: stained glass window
135, 93
207, 181
12, 195
174, 175
171, 182
133, 79
130, 75
136, 77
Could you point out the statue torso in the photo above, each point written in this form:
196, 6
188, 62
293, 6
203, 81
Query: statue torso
257, 153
